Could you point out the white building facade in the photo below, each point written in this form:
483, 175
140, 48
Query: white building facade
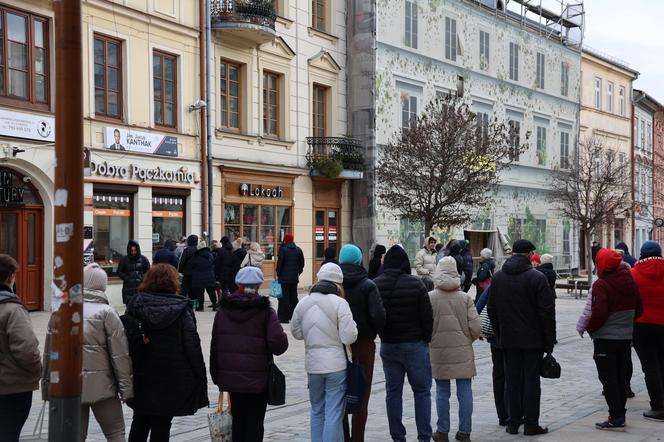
643, 137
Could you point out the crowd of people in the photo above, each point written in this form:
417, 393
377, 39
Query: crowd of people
151, 357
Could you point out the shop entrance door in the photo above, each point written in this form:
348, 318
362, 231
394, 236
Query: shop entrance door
326, 233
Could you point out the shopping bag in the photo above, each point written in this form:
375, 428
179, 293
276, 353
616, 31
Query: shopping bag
275, 289
221, 421
356, 383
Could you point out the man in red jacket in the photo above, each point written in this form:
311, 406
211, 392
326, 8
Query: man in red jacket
648, 274
615, 304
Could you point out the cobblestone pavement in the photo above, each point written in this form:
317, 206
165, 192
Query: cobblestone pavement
570, 405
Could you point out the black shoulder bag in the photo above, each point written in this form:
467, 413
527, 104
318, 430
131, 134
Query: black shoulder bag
356, 383
276, 381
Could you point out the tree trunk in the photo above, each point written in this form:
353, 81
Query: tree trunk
589, 256
428, 227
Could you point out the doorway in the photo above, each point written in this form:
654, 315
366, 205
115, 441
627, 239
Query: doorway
327, 219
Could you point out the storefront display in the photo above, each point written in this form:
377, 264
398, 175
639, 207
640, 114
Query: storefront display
168, 219
112, 229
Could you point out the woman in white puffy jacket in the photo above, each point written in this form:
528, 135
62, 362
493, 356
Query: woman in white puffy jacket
324, 320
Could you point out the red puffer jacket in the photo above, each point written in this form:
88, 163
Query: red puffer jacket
649, 276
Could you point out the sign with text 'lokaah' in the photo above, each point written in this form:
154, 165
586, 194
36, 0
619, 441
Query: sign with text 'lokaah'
119, 138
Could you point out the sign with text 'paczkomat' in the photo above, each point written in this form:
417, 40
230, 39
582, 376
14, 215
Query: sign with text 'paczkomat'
118, 138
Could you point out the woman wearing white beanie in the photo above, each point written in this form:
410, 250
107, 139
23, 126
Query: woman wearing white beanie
325, 322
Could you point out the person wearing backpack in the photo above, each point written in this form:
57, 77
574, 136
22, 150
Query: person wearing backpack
254, 256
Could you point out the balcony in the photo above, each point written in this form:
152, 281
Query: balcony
250, 20
335, 157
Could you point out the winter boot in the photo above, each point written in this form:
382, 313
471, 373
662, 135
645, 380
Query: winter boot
654, 415
437, 436
462, 437
534, 430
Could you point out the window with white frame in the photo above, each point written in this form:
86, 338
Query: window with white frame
598, 93
566, 237
411, 24
621, 101
649, 138
564, 150
408, 110
637, 140
541, 146
540, 70
484, 50
514, 62
483, 126
450, 39
609, 97
515, 139
642, 137
564, 78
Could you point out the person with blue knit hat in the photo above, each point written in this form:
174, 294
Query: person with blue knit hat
369, 315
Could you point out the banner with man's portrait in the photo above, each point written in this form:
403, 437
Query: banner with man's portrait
117, 138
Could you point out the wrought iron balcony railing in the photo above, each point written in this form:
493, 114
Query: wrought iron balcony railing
347, 150
259, 13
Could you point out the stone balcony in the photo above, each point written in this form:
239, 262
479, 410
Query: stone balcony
250, 20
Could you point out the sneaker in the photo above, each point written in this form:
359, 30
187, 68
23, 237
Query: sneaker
462, 437
534, 430
437, 436
611, 424
654, 415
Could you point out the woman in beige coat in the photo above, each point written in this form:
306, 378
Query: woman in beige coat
456, 325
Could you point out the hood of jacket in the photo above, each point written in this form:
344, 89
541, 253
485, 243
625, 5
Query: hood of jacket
131, 244
622, 246
95, 296
397, 259
353, 275
325, 288
454, 248
239, 307
192, 240
290, 245
517, 264
227, 246
619, 276
651, 268
158, 310
379, 251
446, 277
169, 244
6, 295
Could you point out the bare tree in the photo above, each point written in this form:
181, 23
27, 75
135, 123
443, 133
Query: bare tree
446, 165
592, 190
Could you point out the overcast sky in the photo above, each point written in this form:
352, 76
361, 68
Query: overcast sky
632, 31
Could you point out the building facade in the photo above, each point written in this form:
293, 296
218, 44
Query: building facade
606, 114
507, 67
658, 175
141, 139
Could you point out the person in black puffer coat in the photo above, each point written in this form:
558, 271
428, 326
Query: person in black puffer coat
546, 268
404, 345
290, 265
455, 250
223, 266
467, 265
131, 270
168, 367
376, 263
202, 276
184, 266
239, 252
166, 255
369, 315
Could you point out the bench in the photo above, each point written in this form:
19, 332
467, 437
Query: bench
574, 286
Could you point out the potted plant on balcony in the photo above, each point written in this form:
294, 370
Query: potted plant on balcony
329, 167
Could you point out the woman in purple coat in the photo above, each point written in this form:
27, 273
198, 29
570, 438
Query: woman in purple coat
245, 336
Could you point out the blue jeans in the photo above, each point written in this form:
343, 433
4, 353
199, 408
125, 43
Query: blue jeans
411, 359
464, 393
327, 394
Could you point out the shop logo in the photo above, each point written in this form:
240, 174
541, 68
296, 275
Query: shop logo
8, 194
44, 128
133, 171
260, 191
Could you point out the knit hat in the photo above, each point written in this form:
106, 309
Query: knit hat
523, 246
607, 260
330, 272
289, 237
350, 254
546, 259
486, 253
536, 259
249, 276
94, 278
650, 248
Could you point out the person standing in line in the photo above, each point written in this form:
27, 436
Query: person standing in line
404, 347
20, 362
290, 265
184, 265
245, 336
165, 349
484, 272
593, 254
254, 257
330, 255
166, 255
454, 251
546, 268
523, 317
131, 270
376, 262
615, 305
467, 256
369, 315
180, 247
324, 321
223, 266
648, 273
202, 277
629, 259
456, 325
425, 259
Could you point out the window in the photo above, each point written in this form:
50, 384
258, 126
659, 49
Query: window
609, 97
642, 138
319, 110
24, 70
165, 89
637, 140
649, 138
271, 104
230, 95
515, 139
318, 14
112, 228
408, 110
528, 227
484, 50
168, 220
621, 164
621, 100
540, 70
450, 39
264, 224
564, 150
483, 126
566, 237
598, 93
541, 146
411, 24
564, 78
514, 62
108, 76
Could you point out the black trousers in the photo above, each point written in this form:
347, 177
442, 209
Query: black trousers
212, 294
522, 383
287, 302
498, 375
611, 358
14, 411
186, 285
158, 427
649, 345
248, 416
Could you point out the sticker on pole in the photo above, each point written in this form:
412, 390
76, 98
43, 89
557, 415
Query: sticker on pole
64, 232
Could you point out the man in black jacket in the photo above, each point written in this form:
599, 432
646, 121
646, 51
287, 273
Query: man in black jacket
404, 346
523, 317
223, 266
184, 265
467, 256
131, 270
290, 265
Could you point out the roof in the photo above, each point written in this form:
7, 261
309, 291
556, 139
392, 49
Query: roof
644, 99
614, 61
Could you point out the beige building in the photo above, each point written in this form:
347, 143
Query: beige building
279, 109
606, 113
141, 75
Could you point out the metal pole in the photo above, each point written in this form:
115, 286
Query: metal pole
210, 127
202, 23
67, 292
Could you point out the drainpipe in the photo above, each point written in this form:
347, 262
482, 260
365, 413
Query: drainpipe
202, 24
210, 130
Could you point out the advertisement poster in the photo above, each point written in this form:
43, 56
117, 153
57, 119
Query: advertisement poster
29, 126
118, 138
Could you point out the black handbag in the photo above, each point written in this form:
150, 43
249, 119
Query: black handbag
356, 383
276, 381
550, 368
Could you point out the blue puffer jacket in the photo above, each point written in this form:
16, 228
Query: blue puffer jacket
290, 264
